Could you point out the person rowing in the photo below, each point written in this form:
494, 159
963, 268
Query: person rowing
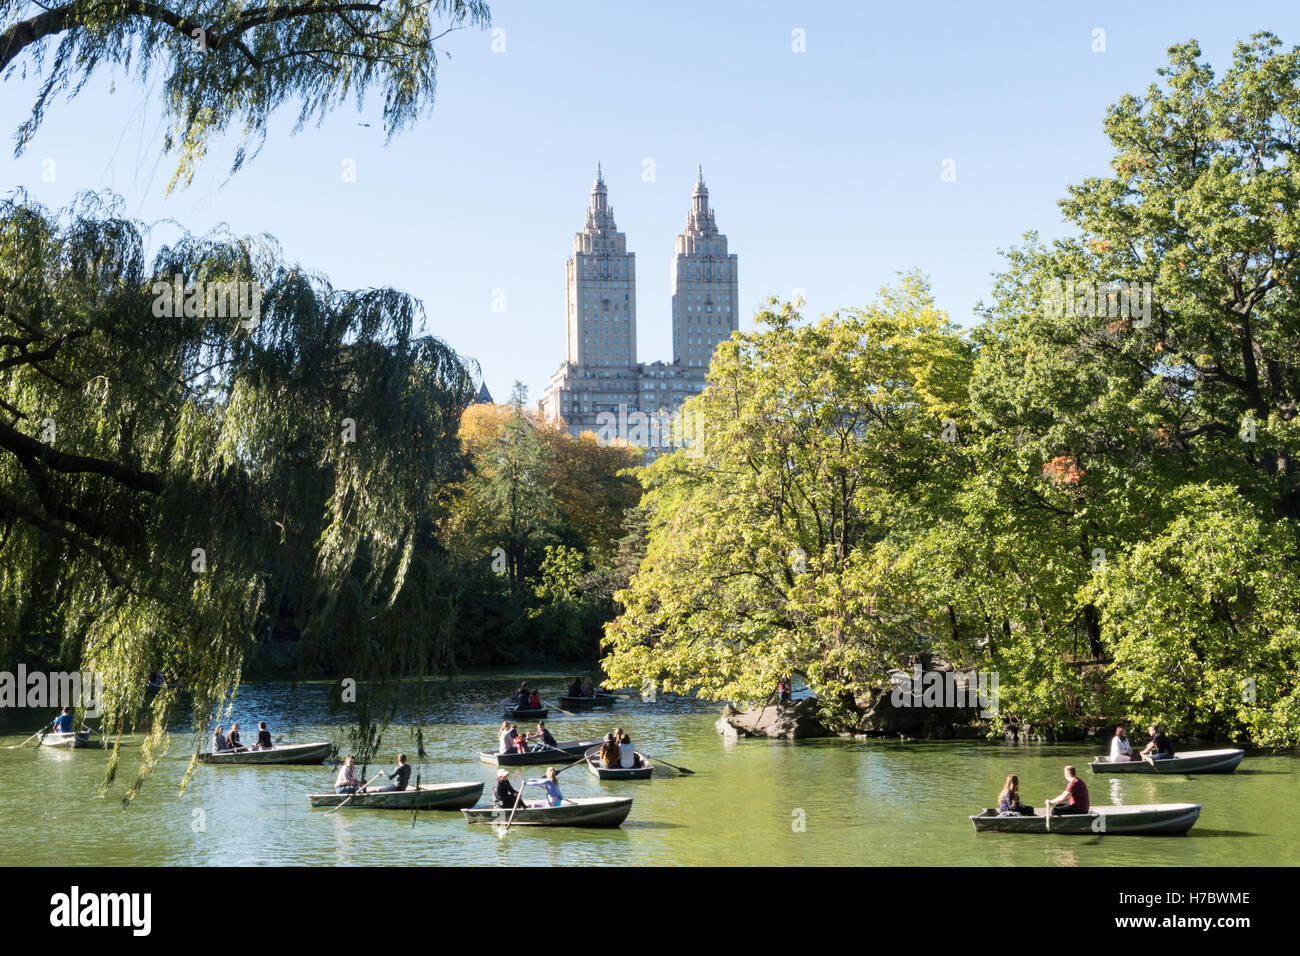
544, 738
552, 787
1121, 751
1074, 798
1009, 799
347, 781
63, 723
400, 775
504, 796
522, 697
1159, 747
263, 738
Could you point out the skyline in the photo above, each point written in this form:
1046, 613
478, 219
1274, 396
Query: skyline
824, 165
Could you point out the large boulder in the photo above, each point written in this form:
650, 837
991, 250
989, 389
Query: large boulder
796, 720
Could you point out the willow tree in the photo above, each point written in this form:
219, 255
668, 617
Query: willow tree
233, 62
823, 450
165, 455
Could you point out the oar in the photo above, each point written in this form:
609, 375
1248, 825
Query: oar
1049, 815
39, 731
520, 795
355, 792
681, 770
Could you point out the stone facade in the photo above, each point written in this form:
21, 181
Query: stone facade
601, 377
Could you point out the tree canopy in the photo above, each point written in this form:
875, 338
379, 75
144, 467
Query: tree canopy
234, 62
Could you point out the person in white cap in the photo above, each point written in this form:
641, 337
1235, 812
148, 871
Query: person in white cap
504, 795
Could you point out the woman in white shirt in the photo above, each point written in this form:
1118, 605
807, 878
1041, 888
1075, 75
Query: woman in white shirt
1120, 749
626, 752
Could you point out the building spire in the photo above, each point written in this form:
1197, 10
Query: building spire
600, 179
699, 175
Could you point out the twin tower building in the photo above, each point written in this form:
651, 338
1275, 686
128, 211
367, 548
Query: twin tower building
601, 376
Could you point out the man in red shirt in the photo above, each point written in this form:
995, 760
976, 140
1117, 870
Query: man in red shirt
1074, 796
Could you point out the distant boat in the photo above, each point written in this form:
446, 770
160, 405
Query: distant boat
429, 796
642, 771
288, 754
580, 812
1150, 818
573, 750
71, 741
524, 713
587, 703
1193, 761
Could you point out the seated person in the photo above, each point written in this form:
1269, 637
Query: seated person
521, 743
506, 738
1074, 798
626, 752
1159, 747
219, 741
552, 787
347, 781
1121, 751
400, 775
233, 740
63, 722
263, 737
575, 689
610, 755
504, 796
1009, 799
543, 737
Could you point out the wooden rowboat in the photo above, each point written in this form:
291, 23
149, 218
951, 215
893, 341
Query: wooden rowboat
573, 751
1193, 761
1149, 818
74, 741
642, 771
587, 703
580, 812
523, 713
288, 754
429, 796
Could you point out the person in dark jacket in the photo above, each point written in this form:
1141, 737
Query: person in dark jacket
543, 737
264, 737
1159, 748
400, 775
504, 796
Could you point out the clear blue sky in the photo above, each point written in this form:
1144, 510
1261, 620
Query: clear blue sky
824, 167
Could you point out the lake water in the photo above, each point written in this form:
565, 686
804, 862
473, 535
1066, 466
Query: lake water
878, 802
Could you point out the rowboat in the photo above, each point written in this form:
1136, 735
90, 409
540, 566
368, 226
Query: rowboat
429, 796
291, 753
587, 703
642, 771
573, 751
523, 713
72, 741
1135, 818
1193, 761
580, 812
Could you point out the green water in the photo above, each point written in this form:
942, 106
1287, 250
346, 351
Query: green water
884, 803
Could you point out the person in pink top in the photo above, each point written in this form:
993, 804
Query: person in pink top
1074, 798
